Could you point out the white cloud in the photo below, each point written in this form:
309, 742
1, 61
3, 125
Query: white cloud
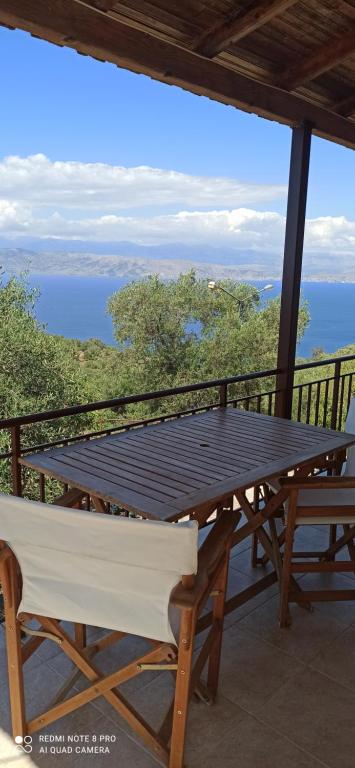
336, 232
13, 216
73, 201
241, 228
41, 182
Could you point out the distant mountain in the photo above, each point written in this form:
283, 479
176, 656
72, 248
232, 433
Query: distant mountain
17, 260
134, 261
195, 253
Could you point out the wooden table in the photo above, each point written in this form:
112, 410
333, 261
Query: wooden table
191, 465
175, 468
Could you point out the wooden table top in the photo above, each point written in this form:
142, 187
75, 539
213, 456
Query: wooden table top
167, 470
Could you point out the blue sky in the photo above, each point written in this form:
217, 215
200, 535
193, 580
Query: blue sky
72, 108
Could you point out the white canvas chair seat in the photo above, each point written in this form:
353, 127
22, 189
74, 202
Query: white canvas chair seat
124, 575
112, 572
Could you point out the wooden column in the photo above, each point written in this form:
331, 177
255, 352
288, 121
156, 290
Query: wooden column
292, 267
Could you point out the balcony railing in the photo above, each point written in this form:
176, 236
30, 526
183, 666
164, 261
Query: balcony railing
321, 396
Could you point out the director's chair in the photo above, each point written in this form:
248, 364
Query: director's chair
125, 575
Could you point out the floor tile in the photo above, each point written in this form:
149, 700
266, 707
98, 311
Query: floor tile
237, 582
337, 660
218, 721
252, 745
252, 670
318, 714
309, 632
242, 562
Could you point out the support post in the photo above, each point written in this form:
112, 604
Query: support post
292, 267
15, 456
223, 395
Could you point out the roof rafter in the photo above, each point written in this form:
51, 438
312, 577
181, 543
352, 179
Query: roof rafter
346, 106
219, 37
102, 5
69, 23
325, 57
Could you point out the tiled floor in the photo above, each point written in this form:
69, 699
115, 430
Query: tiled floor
287, 697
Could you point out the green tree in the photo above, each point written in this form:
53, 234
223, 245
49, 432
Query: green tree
36, 372
171, 333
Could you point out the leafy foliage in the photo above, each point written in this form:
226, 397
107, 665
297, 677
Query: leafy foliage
36, 371
181, 332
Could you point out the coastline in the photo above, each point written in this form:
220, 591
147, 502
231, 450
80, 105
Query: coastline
252, 278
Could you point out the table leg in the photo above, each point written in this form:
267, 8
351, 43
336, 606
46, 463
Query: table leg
267, 544
255, 560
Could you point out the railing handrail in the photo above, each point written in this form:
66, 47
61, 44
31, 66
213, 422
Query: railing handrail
116, 402
329, 361
101, 405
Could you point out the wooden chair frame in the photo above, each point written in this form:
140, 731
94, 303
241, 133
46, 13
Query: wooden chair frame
190, 596
332, 465
327, 562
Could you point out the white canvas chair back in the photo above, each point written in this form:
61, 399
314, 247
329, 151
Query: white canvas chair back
350, 427
90, 568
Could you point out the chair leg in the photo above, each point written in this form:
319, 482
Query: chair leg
182, 690
332, 538
254, 551
80, 635
350, 543
14, 651
254, 547
217, 625
276, 549
346, 540
285, 619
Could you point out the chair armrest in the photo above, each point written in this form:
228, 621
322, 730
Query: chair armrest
5, 553
317, 482
210, 555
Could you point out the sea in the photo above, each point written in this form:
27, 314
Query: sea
75, 307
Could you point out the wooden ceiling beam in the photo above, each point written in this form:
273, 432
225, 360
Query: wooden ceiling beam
325, 57
101, 5
93, 33
346, 106
219, 37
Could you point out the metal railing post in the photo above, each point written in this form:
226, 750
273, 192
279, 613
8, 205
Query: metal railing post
223, 395
335, 398
15, 465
